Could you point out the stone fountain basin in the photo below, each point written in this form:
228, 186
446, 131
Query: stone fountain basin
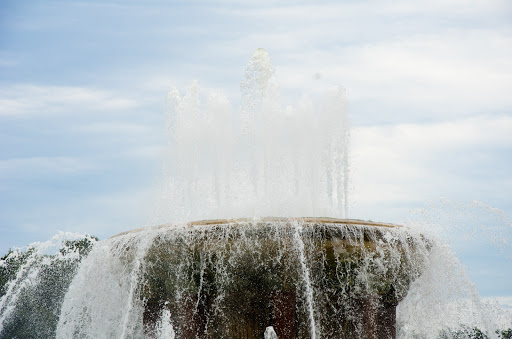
232, 278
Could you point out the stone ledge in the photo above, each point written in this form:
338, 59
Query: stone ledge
305, 220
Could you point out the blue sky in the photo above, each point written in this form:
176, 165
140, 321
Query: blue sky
83, 85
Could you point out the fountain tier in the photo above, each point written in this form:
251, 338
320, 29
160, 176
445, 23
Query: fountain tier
306, 277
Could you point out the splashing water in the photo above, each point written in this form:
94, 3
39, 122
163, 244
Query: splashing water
467, 220
268, 161
164, 328
444, 299
102, 301
270, 333
38, 277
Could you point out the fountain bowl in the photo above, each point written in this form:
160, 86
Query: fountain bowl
305, 277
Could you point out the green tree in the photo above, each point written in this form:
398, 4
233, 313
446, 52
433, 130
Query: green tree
42, 282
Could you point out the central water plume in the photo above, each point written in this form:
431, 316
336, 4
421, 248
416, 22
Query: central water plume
261, 160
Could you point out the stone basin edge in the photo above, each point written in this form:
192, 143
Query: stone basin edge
307, 220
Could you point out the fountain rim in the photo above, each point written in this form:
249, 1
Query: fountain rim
255, 220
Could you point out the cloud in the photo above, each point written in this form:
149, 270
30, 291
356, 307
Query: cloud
126, 128
332, 9
26, 100
481, 131
454, 7
434, 65
456, 73
45, 165
406, 164
400, 61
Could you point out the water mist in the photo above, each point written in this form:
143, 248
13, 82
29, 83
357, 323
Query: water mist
261, 160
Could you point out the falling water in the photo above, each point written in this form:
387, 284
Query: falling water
297, 236
164, 328
38, 277
103, 299
270, 333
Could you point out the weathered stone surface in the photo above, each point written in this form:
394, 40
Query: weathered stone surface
234, 278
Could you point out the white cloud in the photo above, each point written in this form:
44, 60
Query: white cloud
26, 100
45, 165
482, 131
404, 59
332, 9
454, 7
456, 73
409, 163
126, 128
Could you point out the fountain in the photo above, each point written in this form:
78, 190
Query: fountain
287, 277
259, 277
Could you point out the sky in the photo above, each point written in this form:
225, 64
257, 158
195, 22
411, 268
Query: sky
82, 101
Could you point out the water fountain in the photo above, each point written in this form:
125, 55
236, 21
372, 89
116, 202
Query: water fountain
283, 277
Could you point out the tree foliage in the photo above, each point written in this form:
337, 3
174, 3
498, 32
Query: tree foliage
465, 332
33, 286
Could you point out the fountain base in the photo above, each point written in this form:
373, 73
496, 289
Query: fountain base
306, 277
